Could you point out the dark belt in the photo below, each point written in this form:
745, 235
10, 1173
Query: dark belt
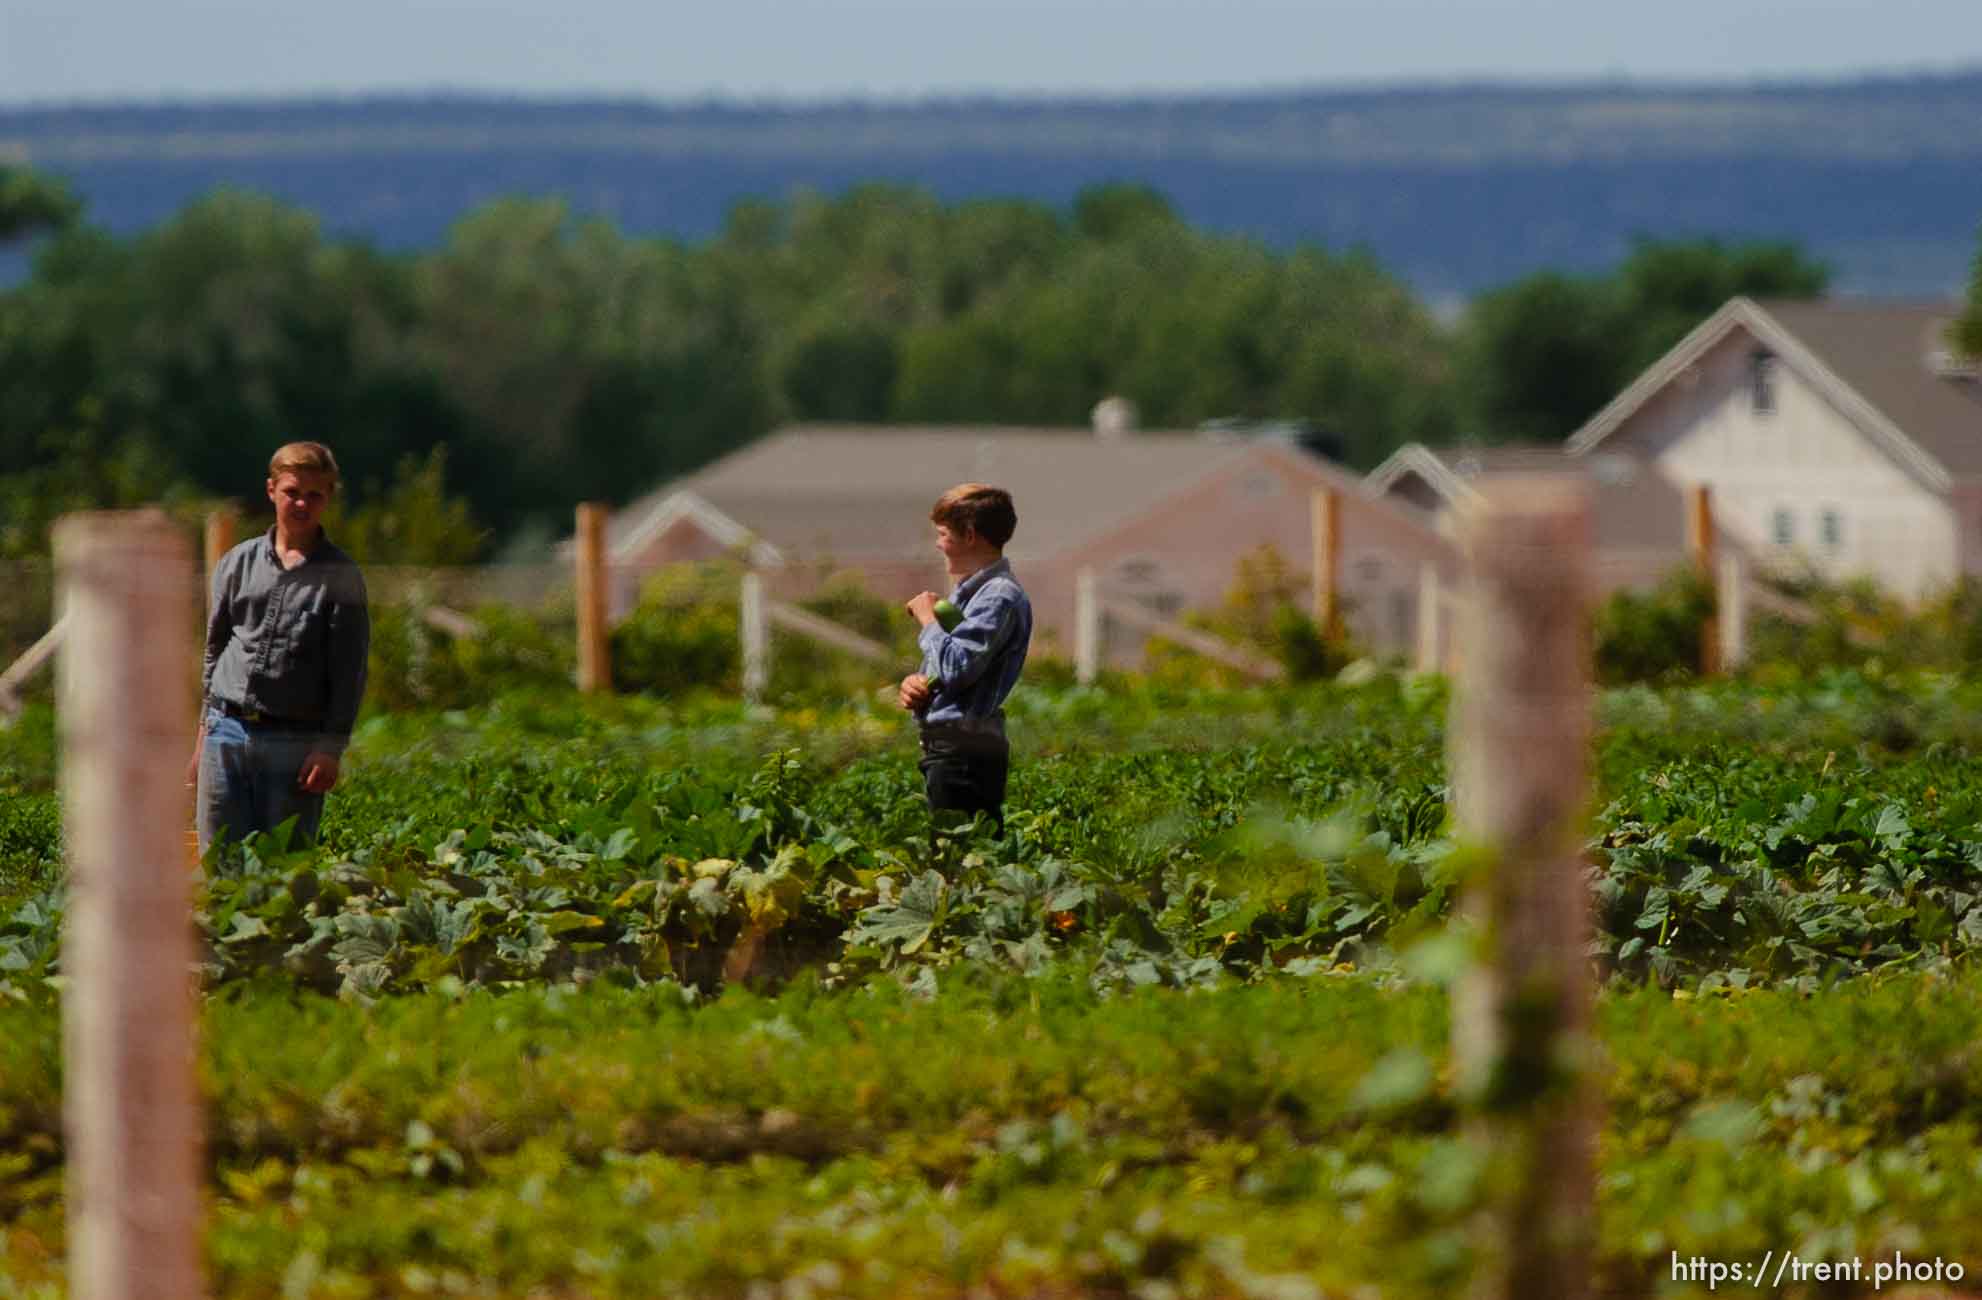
256, 718
954, 738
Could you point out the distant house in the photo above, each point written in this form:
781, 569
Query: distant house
1841, 435
1162, 518
1639, 520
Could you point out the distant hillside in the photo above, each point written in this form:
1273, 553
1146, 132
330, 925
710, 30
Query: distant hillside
1456, 188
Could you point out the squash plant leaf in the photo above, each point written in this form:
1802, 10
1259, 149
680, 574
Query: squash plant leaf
909, 922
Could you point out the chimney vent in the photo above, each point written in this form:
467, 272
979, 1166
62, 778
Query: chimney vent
1946, 358
1946, 363
1114, 418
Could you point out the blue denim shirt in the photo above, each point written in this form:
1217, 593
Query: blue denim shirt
975, 665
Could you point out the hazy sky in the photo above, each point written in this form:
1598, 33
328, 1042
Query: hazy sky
67, 50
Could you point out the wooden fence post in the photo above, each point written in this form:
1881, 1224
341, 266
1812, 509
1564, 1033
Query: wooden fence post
1732, 598
1431, 618
594, 652
1520, 772
220, 537
1700, 543
1088, 628
1325, 521
131, 1108
755, 636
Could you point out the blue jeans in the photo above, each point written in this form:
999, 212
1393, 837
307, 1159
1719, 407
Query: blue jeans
964, 775
248, 780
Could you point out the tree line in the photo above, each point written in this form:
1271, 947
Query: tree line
556, 359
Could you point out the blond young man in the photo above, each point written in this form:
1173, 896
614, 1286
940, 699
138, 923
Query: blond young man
286, 643
958, 697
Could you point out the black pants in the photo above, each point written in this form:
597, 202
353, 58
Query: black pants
963, 775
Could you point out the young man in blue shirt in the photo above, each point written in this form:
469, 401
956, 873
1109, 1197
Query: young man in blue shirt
286, 644
967, 671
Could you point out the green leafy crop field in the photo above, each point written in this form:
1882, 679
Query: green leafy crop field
631, 998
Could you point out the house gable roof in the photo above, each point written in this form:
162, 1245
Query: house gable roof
1414, 460
1881, 350
1289, 461
1633, 505
1451, 471
865, 491
686, 505
1870, 360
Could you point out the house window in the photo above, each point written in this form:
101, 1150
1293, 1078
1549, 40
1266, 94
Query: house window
1762, 381
1832, 528
1785, 527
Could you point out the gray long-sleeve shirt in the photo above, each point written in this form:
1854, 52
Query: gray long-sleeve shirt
290, 643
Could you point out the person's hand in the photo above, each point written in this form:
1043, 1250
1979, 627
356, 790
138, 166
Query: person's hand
923, 608
319, 773
915, 692
193, 763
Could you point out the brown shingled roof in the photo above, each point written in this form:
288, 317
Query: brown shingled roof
1470, 460
1881, 351
865, 491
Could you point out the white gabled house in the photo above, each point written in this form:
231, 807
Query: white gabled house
1842, 435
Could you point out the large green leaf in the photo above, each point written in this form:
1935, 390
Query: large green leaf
909, 922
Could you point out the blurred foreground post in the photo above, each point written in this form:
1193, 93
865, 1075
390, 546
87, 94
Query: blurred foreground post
755, 637
1700, 544
1325, 521
130, 1107
594, 654
1520, 775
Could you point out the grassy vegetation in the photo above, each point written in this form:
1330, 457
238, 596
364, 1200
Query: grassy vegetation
1182, 1032
1023, 1134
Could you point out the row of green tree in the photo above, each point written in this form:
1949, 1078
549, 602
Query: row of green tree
560, 360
